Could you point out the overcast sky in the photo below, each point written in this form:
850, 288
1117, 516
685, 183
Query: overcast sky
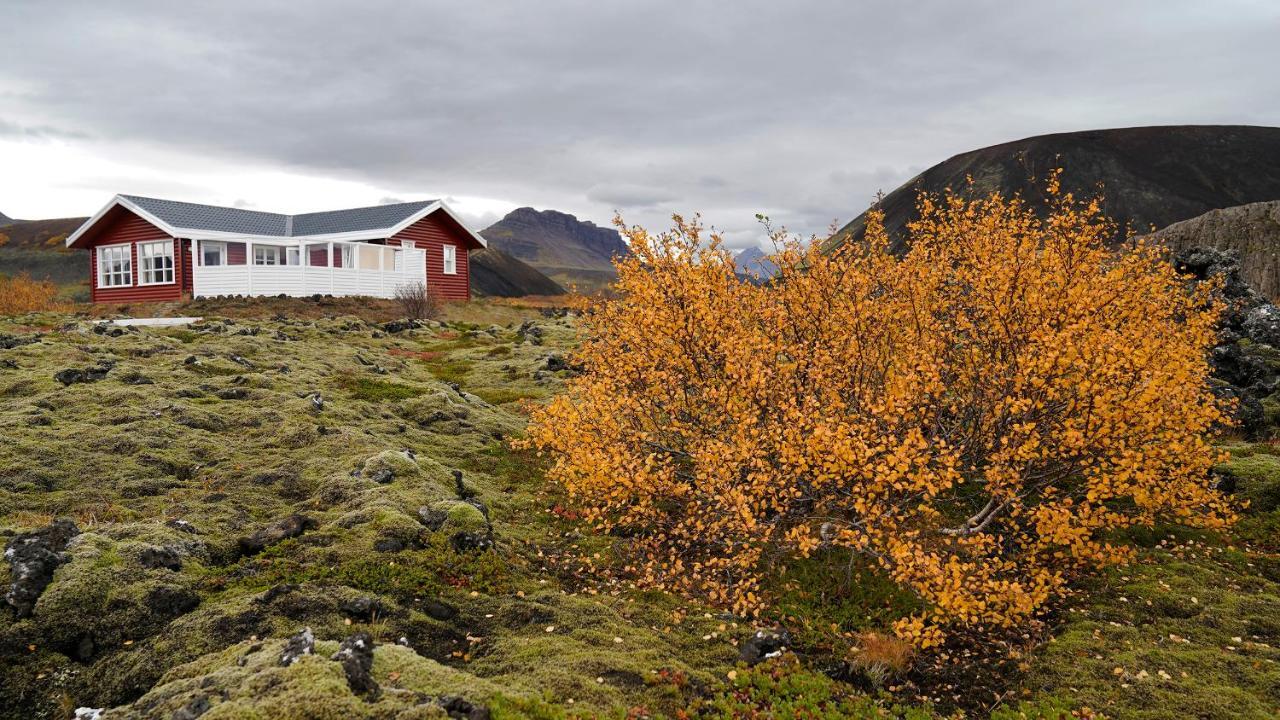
800, 110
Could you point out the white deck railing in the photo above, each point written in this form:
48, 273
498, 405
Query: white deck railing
376, 274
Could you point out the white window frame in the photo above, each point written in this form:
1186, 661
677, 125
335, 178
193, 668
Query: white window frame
276, 255
144, 271
293, 255
450, 259
205, 245
126, 274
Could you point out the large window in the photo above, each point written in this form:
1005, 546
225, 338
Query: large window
213, 253
156, 262
450, 260
115, 266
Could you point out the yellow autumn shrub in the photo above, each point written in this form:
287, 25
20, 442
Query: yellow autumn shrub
977, 415
20, 294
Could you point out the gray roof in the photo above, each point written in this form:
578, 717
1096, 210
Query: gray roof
193, 216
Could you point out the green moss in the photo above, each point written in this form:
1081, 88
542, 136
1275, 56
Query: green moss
1188, 632
498, 396
785, 689
399, 463
834, 589
1257, 479
373, 390
446, 370
461, 517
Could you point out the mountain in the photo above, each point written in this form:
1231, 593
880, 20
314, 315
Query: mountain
5, 220
562, 246
38, 234
1252, 230
496, 273
1150, 176
754, 263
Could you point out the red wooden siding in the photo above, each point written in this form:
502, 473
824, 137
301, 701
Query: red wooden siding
236, 253
432, 233
319, 255
127, 227
183, 262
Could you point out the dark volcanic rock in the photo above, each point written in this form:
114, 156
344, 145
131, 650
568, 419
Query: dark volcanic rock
440, 610
460, 709
32, 559
160, 557
1246, 359
356, 656
289, 527
304, 643
71, 376
764, 644
363, 609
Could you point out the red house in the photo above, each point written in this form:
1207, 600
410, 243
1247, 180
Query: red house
145, 249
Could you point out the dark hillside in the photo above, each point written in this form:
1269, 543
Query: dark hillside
1150, 176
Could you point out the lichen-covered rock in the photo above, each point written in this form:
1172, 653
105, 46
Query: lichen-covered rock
32, 559
764, 644
298, 646
388, 465
355, 654
464, 523
283, 529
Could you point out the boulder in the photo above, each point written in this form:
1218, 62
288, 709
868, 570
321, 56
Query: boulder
32, 559
764, 644
71, 376
355, 654
460, 709
289, 527
304, 643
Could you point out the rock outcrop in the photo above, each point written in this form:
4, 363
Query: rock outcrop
1246, 360
1252, 231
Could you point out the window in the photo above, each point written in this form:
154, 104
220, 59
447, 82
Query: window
115, 266
450, 260
268, 255
213, 253
156, 262
293, 255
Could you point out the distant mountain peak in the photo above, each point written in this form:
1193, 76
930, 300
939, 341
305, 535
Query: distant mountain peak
755, 262
559, 244
5, 219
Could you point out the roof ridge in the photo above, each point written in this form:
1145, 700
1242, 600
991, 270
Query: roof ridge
288, 226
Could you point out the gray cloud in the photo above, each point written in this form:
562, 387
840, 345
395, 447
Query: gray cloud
799, 110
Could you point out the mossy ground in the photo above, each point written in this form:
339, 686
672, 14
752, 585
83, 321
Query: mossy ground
234, 423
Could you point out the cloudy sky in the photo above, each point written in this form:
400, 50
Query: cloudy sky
800, 110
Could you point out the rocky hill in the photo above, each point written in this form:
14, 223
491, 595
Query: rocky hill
566, 248
5, 219
39, 234
498, 274
1252, 231
1150, 176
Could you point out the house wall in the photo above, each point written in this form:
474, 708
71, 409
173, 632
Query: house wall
431, 234
127, 227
